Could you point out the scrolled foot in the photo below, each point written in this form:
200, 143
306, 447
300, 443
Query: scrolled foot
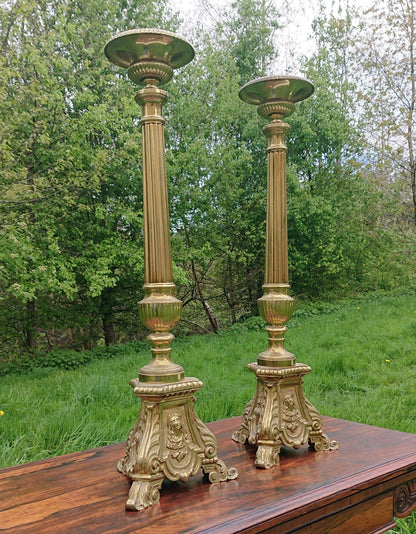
239, 436
217, 471
267, 456
321, 442
143, 494
121, 466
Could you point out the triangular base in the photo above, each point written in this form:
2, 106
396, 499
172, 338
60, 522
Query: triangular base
169, 441
280, 414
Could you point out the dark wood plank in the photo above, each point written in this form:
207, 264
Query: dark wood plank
350, 490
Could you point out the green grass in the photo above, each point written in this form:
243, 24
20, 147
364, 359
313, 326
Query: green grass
362, 354
405, 526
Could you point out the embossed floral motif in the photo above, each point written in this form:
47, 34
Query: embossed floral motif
291, 414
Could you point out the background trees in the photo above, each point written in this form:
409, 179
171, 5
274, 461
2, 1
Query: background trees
69, 151
388, 56
337, 238
218, 167
70, 179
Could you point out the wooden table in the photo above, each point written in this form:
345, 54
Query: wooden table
357, 489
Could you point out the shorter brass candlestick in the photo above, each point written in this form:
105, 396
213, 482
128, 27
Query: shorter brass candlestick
279, 413
168, 439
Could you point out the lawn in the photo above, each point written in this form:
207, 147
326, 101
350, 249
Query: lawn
362, 353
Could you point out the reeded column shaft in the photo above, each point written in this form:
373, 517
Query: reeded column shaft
276, 270
150, 57
276, 306
158, 258
160, 310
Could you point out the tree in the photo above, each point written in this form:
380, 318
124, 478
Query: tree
338, 239
218, 166
214, 207
387, 50
69, 153
251, 25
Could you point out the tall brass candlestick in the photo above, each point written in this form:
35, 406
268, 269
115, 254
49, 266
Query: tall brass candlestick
168, 440
279, 413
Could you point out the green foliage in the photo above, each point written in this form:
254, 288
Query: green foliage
64, 358
340, 236
71, 211
217, 173
71, 252
251, 26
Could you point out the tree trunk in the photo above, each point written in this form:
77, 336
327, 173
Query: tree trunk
413, 175
30, 325
412, 105
106, 312
207, 308
109, 332
230, 296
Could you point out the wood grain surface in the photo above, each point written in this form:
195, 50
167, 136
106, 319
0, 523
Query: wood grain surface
354, 490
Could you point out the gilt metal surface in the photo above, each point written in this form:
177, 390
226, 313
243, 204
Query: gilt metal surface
168, 440
134, 47
279, 413
289, 89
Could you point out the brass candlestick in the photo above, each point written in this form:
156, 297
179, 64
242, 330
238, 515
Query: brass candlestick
279, 413
168, 440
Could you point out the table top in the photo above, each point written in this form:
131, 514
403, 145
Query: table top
83, 493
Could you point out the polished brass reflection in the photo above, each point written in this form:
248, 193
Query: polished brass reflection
279, 413
168, 439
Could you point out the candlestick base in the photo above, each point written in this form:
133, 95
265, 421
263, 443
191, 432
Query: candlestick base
169, 441
280, 414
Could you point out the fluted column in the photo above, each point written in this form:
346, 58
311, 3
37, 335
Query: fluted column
276, 306
160, 310
158, 260
276, 270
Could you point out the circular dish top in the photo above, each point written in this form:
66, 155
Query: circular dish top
133, 46
274, 88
